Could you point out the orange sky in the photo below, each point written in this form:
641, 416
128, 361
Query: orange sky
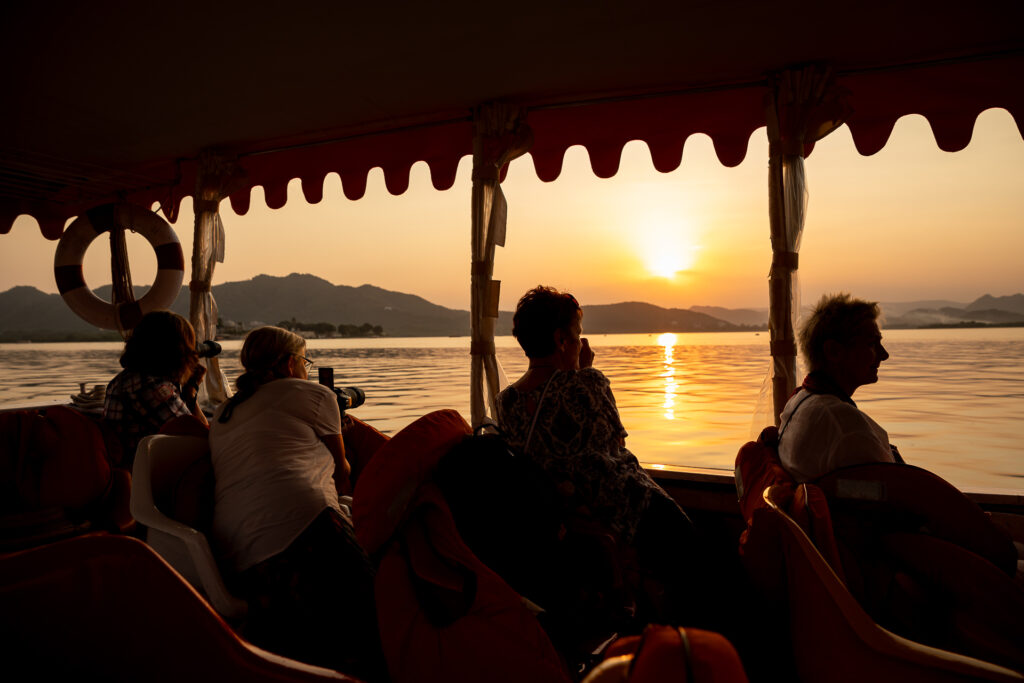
911, 222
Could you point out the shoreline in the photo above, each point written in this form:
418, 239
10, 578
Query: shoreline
111, 336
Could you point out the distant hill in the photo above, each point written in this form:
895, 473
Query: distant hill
986, 310
894, 309
736, 316
1013, 303
634, 316
29, 314
308, 298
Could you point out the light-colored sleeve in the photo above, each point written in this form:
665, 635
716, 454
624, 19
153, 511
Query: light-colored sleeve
860, 441
326, 416
825, 435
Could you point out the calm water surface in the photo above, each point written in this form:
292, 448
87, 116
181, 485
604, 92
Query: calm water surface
952, 400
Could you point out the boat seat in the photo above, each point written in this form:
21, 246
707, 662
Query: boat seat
444, 616
508, 511
757, 468
926, 561
881, 498
168, 497
669, 653
57, 478
107, 607
833, 638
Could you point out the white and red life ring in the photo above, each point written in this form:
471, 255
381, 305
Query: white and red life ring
67, 265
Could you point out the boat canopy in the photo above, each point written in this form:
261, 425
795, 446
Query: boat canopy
119, 100
150, 103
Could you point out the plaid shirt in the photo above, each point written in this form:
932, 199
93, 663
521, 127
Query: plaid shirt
137, 405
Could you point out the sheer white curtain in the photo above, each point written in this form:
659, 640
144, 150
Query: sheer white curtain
804, 106
500, 135
213, 182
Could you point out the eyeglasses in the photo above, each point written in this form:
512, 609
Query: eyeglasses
308, 362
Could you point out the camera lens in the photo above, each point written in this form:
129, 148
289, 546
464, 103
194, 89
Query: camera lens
354, 396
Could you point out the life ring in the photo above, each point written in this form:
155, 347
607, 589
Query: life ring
67, 265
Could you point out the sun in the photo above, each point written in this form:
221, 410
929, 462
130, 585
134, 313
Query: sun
668, 265
668, 247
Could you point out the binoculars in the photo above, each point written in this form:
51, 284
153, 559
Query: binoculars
208, 349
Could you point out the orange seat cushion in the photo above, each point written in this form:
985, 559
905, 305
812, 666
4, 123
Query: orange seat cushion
391, 478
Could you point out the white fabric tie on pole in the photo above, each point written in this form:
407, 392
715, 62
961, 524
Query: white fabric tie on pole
213, 182
803, 107
500, 135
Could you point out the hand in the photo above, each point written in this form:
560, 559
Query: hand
586, 354
197, 374
190, 388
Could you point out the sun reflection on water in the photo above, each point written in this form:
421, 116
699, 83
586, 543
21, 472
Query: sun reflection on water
668, 341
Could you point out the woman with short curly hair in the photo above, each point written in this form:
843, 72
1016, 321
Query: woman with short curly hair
562, 415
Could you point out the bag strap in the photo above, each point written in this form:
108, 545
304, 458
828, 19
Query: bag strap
684, 645
687, 652
778, 439
536, 412
897, 457
816, 382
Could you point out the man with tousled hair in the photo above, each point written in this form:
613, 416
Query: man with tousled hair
945, 583
821, 428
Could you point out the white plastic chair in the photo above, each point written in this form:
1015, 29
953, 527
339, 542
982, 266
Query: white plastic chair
159, 462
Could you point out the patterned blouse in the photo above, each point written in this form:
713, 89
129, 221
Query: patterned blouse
138, 405
579, 439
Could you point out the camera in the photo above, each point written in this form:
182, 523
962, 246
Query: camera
348, 397
208, 349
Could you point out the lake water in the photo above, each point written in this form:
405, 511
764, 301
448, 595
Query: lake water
952, 400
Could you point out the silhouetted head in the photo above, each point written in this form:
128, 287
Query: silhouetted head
543, 317
841, 337
163, 344
270, 353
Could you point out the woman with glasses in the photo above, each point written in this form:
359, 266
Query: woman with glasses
279, 463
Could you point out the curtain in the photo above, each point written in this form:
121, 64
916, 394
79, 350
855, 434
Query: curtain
215, 179
803, 106
500, 134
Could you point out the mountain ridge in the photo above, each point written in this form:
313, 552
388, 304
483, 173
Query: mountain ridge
27, 313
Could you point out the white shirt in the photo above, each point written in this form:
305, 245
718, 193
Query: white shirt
273, 473
821, 433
